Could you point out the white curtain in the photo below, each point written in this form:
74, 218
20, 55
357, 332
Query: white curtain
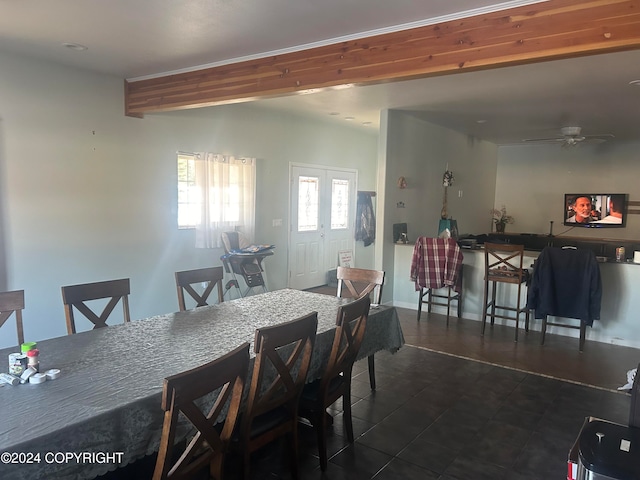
227, 186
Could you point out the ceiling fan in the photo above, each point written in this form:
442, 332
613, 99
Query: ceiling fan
572, 136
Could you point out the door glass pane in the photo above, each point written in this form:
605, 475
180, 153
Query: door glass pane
339, 204
308, 195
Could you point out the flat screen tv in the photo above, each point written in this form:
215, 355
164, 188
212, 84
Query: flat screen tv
595, 210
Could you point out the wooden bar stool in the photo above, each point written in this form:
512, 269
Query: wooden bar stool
503, 264
437, 264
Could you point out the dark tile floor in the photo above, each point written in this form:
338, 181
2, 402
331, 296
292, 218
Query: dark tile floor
453, 405
436, 416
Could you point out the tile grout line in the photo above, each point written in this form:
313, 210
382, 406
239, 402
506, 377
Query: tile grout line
517, 369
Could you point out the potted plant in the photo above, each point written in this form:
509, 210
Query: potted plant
500, 218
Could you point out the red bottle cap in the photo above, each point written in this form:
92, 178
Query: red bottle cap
33, 353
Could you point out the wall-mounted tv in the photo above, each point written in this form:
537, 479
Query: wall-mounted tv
595, 210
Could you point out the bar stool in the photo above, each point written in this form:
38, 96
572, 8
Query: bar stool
437, 264
566, 284
444, 300
503, 264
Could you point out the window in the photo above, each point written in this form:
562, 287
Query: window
189, 202
339, 204
308, 198
216, 194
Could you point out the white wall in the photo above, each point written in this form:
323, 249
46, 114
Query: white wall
87, 194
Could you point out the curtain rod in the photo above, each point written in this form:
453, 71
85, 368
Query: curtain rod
373, 194
193, 154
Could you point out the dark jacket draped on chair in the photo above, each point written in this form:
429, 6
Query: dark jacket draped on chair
566, 283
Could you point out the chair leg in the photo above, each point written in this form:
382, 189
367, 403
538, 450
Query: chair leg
320, 424
493, 304
459, 300
247, 462
484, 308
448, 303
372, 372
544, 329
216, 466
293, 451
420, 298
518, 311
346, 415
583, 334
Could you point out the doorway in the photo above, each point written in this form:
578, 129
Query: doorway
322, 222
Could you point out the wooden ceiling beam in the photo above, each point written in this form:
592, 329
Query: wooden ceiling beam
544, 31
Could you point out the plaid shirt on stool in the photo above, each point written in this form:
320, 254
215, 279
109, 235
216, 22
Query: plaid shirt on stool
436, 263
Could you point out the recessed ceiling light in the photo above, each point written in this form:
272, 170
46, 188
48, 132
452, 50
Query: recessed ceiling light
75, 46
349, 118
334, 113
366, 123
635, 82
481, 121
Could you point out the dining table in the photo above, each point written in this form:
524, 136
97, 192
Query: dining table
103, 411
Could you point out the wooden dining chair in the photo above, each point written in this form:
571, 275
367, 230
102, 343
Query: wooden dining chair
185, 280
503, 263
336, 379
77, 296
182, 395
283, 355
13, 303
360, 282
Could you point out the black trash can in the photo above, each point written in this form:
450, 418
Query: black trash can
609, 451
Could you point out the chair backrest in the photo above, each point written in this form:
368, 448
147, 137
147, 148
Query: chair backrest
360, 282
279, 373
77, 295
186, 279
13, 302
503, 262
351, 323
182, 394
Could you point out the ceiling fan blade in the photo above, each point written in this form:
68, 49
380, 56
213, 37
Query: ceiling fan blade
604, 136
571, 140
551, 139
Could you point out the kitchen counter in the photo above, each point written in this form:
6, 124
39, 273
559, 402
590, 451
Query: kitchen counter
618, 322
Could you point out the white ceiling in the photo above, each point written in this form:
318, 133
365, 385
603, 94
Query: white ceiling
144, 38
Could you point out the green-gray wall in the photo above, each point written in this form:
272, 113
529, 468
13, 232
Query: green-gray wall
532, 181
420, 152
87, 194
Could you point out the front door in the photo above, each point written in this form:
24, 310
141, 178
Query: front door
322, 222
